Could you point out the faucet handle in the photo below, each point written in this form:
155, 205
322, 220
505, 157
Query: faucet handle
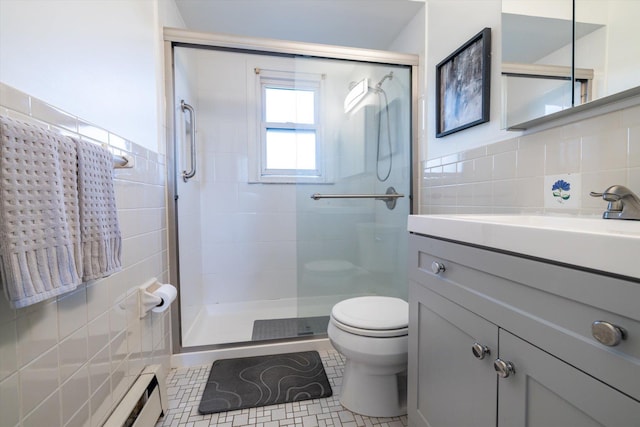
607, 195
615, 205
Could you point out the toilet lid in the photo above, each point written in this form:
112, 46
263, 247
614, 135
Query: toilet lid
372, 313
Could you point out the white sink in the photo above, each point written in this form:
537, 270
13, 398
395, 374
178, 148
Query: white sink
601, 244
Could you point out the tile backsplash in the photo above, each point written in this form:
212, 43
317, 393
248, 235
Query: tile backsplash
509, 176
69, 360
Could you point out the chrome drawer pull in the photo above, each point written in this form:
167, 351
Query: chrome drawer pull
479, 350
504, 368
437, 267
607, 333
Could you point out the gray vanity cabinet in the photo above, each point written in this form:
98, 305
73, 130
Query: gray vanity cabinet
472, 308
546, 392
455, 388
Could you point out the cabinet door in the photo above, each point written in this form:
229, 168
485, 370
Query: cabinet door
448, 385
545, 391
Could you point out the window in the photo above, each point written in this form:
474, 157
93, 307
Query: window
290, 137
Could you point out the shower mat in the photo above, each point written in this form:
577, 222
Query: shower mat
249, 382
270, 329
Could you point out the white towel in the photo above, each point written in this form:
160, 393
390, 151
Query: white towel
58, 218
99, 229
39, 214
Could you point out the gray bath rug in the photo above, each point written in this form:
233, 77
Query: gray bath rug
249, 382
288, 328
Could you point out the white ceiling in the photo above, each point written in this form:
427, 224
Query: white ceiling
371, 24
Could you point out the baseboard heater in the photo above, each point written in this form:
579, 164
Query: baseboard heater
144, 403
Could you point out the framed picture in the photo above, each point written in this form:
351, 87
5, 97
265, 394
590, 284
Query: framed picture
463, 86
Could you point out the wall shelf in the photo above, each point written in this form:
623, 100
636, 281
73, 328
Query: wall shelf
608, 104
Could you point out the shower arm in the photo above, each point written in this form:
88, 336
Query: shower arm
386, 76
390, 197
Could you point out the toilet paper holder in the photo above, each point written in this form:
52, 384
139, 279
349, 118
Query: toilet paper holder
155, 296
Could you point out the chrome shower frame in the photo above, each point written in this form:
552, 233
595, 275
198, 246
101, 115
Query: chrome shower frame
178, 37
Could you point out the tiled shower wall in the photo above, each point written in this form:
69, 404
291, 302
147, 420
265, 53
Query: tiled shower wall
509, 176
69, 360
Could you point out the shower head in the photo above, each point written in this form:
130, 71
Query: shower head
387, 76
357, 91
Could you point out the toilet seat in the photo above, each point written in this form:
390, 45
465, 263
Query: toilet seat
373, 316
373, 333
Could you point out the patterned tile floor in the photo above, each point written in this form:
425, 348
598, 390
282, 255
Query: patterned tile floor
185, 386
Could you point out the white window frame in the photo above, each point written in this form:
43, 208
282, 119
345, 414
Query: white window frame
281, 79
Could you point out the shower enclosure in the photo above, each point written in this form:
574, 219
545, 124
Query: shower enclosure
290, 173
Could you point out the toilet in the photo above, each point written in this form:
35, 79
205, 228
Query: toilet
372, 334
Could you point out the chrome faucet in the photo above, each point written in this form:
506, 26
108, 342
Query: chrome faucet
623, 203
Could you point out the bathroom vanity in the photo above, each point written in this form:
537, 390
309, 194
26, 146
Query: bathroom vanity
523, 321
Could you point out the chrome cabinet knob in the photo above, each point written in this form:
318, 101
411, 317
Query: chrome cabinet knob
437, 267
607, 333
479, 350
503, 368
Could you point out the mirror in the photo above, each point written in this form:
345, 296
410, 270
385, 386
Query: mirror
537, 51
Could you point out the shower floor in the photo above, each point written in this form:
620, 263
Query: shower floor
233, 322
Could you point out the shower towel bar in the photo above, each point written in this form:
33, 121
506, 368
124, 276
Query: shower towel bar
121, 162
389, 197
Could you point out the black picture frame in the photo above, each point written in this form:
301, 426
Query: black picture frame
463, 86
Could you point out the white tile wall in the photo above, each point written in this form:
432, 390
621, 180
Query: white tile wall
240, 221
508, 176
68, 361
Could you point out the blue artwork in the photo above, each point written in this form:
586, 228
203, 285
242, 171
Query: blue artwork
463, 82
561, 190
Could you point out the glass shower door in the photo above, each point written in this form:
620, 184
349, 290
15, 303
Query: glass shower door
351, 229
255, 251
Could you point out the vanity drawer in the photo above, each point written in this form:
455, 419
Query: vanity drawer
551, 306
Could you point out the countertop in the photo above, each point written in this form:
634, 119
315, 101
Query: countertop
607, 245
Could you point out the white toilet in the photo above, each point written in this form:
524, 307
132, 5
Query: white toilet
372, 334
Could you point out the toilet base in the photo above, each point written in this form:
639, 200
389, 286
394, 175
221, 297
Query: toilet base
373, 395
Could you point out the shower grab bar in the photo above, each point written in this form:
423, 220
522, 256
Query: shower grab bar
390, 197
187, 175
